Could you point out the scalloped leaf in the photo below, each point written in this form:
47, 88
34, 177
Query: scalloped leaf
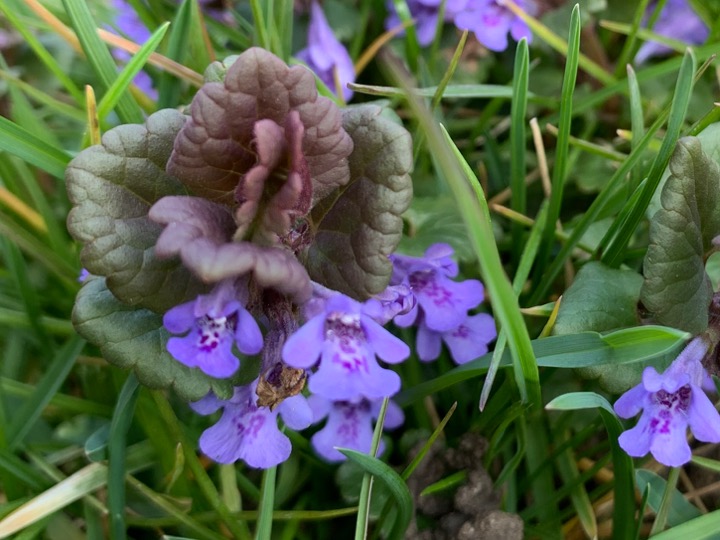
601, 299
364, 226
215, 149
134, 338
677, 290
112, 186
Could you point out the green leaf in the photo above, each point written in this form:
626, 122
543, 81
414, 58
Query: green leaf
681, 510
677, 290
599, 299
630, 345
579, 400
602, 299
133, 338
392, 480
700, 528
364, 225
113, 185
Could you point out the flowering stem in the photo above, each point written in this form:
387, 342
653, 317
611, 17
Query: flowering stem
361, 524
267, 502
665, 503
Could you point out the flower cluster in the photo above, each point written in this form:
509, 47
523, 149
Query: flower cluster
678, 21
670, 403
441, 310
490, 20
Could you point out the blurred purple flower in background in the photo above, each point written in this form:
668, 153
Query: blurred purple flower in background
489, 20
346, 340
677, 21
325, 55
670, 403
215, 322
131, 27
248, 432
349, 425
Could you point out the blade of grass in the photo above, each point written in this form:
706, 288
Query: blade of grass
205, 484
557, 43
363, 515
126, 76
181, 517
518, 112
99, 57
567, 467
18, 270
562, 147
19, 142
629, 49
267, 502
42, 53
613, 255
261, 33
119, 426
169, 88
440, 90
40, 97
637, 123
412, 47
83, 482
665, 504
26, 416
597, 206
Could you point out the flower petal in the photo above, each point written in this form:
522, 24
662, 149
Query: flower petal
387, 346
303, 348
296, 412
703, 418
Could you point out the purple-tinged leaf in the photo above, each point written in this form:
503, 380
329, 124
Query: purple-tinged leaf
217, 147
200, 232
355, 236
112, 186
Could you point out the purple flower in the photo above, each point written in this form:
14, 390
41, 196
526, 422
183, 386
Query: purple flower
444, 302
326, 56
425, 13
488, 19
215, 322
677, 21
346, 340
491, 21
670, 403
130, 25
466, 342
248, 432
349, 425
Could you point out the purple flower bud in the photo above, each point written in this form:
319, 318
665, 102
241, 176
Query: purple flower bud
325, 55
248, 432
213, 323
349, 425
677, 21
670, 403
393, 301
346, 340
